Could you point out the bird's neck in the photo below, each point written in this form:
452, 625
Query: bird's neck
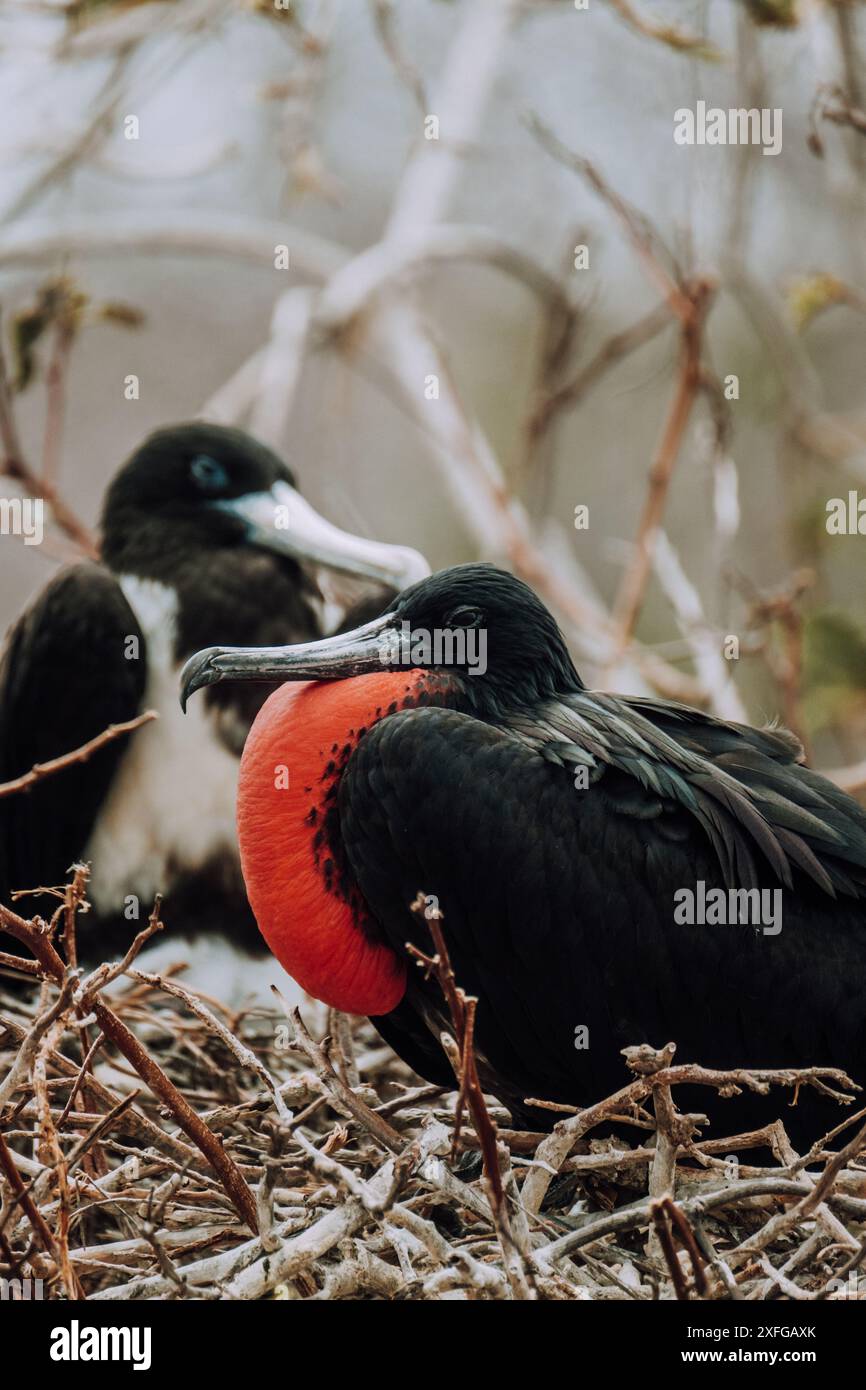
230, 597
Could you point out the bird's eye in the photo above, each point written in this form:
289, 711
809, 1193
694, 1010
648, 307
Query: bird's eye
465, 617
208, 473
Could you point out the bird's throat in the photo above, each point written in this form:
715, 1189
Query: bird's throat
307, 907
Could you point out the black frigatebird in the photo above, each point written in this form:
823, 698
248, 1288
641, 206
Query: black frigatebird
558, 828
204, 538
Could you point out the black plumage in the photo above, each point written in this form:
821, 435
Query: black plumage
190, 553
54, 697
558, 891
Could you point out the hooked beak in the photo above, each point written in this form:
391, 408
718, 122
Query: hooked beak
372, 647
282, 521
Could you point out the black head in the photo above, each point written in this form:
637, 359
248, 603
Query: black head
481, 626
175, 488
201, 487
505, 640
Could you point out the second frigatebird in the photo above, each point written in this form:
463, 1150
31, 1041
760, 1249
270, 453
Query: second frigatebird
204, 538
450, 746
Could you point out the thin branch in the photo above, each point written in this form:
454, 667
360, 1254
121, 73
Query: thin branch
77, 755
15, 466
634, 582
147, 1069
679, 39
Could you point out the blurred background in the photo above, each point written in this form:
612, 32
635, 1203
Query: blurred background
447, 257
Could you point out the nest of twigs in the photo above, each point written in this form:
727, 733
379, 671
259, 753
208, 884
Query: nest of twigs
154, 1144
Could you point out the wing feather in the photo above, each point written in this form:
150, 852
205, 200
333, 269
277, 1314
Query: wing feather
559, 908
64, 677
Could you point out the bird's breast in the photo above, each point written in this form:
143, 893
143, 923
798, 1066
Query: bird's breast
170, 808
305, 902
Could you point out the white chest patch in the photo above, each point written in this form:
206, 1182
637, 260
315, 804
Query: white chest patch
172, 801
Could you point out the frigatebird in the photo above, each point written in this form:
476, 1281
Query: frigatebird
450, 747
205, 538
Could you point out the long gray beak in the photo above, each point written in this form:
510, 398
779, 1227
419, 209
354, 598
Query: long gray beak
281, 520
373, 647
